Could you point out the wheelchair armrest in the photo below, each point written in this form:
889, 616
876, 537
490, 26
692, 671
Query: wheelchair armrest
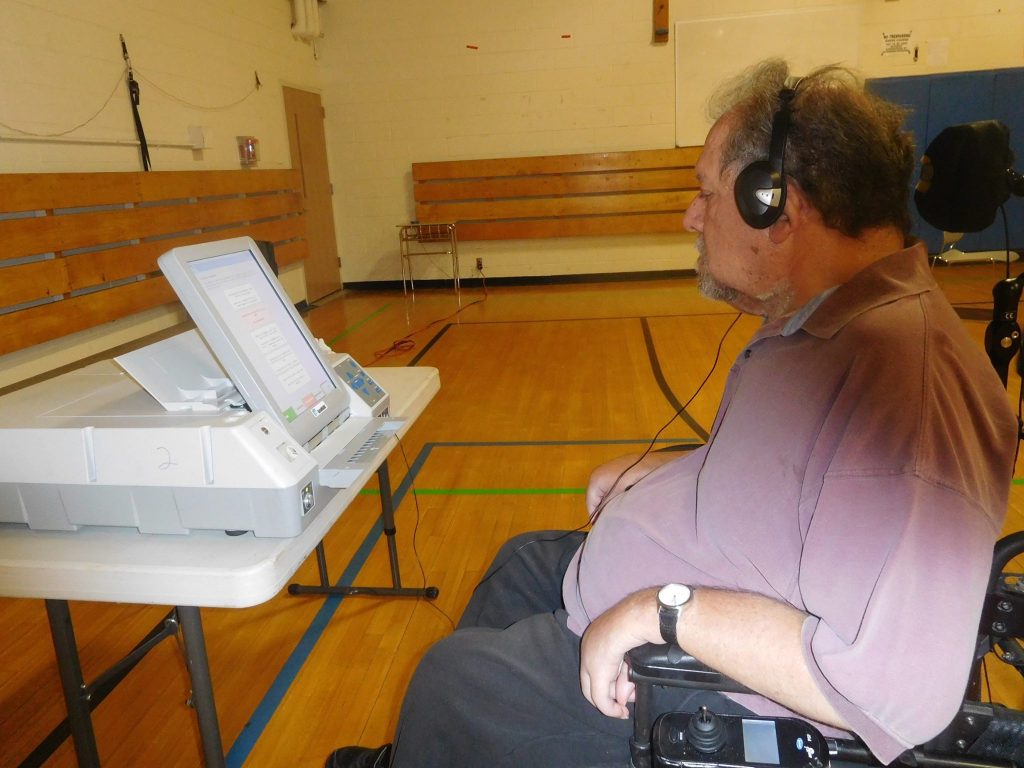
1002, 616
668, 665
1007, 548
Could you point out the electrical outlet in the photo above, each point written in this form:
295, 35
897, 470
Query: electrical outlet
479, 264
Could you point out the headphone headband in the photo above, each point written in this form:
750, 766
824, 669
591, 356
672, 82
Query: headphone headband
760, 188
780, 130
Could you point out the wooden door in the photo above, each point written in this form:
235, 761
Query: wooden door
309, 155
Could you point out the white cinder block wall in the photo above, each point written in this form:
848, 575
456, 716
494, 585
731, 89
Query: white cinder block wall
401, 84
196, 63
424, 80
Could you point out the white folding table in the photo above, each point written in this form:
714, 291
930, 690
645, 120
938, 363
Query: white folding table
200, 569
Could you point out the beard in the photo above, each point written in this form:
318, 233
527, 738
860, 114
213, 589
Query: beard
774, 303
708, 286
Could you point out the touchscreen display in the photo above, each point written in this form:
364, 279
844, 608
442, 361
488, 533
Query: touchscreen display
239, 291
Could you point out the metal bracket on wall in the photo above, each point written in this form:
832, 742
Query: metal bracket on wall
661, 21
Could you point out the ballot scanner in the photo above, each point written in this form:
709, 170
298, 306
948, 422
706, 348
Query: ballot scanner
246, 424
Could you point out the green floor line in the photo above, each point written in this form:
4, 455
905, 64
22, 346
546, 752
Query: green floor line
486, 491
498, 491
351, 328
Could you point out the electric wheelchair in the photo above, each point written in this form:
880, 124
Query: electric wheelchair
982, 735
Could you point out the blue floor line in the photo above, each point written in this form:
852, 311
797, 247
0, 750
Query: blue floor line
265, 710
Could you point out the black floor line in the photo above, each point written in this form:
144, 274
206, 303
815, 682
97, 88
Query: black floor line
652, 355
426, 348
666, 390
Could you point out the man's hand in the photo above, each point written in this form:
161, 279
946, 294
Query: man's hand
603, 674
614, 477
753, 639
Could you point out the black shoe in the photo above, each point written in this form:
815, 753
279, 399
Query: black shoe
359, 757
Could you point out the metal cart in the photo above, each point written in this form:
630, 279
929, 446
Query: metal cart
428, 240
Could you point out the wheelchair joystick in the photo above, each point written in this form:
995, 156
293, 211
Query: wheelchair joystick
705, 732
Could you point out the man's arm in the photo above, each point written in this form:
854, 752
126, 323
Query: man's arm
613, 477
753, 639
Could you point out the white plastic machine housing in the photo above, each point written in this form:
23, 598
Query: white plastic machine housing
92, 447
174, 447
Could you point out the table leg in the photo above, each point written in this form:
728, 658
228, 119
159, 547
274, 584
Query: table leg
387, 520
321, 565
202, 687
75, 695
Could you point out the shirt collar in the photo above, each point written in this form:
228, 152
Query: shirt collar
896, 276
796, 321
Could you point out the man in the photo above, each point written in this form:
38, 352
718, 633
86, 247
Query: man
835, 532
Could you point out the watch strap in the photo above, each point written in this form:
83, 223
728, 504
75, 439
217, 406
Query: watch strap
668, 617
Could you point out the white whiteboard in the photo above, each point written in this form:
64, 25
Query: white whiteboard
709, 51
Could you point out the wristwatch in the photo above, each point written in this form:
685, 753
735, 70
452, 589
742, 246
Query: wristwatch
672, 599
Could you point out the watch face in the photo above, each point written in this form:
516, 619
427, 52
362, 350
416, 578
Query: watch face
674, 594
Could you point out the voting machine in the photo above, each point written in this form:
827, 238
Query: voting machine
247, 424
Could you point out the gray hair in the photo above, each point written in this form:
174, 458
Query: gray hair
845, 147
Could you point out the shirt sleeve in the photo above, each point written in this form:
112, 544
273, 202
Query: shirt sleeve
893, 574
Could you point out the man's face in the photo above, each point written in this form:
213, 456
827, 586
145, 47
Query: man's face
734, 263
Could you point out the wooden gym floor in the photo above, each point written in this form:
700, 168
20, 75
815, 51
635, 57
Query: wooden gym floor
538, 386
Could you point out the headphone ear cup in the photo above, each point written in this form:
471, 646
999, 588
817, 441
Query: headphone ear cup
760, 194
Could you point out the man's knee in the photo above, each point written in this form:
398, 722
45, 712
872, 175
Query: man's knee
452, 657
539, 551
523, 542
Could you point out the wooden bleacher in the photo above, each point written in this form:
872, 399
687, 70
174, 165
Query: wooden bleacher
80, 249
608, 193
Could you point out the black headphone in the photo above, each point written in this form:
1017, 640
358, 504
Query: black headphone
760, 188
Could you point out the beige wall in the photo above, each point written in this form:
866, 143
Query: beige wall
195, 61
401, 85
951, 35
60, 60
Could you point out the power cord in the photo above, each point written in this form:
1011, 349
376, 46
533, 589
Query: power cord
203, 107
116, 87
114, 90
415, 534
718, 354
592, 517
600, 506
406, 343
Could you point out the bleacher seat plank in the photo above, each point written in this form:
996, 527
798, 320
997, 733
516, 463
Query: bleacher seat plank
635, 192
63, 233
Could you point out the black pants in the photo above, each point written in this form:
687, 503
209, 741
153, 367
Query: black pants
504, 689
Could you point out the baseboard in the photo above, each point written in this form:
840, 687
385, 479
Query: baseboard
477, 282
954, 256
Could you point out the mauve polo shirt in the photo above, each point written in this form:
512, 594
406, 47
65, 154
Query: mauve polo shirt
858, 469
